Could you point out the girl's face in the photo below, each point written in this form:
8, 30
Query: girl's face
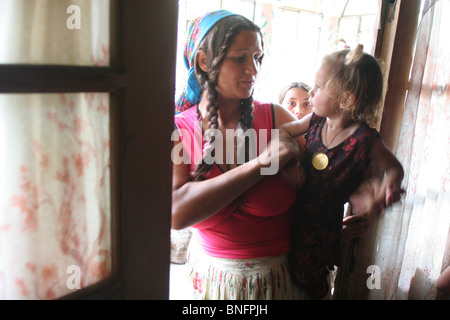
323, 103
240, 67
296, 101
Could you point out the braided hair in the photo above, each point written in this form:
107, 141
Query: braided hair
215, 45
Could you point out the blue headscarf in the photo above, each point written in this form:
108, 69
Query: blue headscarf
196, 33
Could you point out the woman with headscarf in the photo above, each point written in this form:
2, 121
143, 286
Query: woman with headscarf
241, 214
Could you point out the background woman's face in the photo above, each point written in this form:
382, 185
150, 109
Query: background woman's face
297, 101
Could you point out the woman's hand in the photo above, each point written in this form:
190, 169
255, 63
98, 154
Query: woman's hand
281, 150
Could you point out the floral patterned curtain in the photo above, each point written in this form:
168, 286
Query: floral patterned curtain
413, 238
54, 155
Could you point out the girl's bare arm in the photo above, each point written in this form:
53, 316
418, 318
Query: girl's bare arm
297, 128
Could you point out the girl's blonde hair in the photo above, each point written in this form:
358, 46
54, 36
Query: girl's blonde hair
359, 74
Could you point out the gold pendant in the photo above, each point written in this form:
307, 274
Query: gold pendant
320, 161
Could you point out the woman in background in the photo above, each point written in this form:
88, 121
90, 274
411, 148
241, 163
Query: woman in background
295, 98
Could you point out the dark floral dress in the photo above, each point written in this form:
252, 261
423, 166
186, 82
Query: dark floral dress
318, 211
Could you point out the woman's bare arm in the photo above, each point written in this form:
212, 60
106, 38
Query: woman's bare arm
195, 201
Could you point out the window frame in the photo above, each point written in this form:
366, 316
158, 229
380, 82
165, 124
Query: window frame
141, 82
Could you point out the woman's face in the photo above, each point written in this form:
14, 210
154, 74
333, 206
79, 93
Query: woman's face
240, 67
296, 101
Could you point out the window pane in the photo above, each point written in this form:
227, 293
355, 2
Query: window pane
297, 34
63, 32
54, 194
349, 30
243, 7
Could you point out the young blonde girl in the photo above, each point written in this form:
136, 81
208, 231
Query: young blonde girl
340, 145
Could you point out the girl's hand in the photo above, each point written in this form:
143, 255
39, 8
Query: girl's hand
366, 200
393, 193
373, 196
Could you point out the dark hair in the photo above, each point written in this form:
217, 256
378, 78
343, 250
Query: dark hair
215, 45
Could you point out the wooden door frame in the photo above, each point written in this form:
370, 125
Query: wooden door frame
141, 83
143, 49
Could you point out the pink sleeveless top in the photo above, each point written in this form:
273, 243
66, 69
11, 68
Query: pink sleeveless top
257, 224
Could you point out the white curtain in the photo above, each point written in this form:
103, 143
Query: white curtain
413, 237
54, 155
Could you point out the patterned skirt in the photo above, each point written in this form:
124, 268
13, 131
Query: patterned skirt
242, 279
